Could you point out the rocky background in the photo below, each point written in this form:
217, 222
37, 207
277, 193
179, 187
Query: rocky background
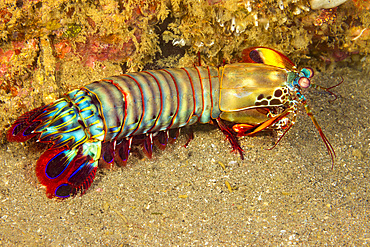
200, 195
50, 47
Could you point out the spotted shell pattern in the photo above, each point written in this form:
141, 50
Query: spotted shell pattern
280, 97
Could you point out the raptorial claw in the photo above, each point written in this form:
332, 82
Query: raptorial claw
230, 137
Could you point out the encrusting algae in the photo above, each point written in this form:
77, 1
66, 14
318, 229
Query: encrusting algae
50, 47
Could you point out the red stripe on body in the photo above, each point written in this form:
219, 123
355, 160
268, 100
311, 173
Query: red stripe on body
178, 97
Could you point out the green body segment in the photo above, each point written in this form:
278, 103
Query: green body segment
152, 101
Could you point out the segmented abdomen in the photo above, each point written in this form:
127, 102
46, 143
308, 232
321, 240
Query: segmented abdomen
156, 100
97, 123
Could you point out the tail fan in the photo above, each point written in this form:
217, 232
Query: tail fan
23, 129
68, 172
58, 123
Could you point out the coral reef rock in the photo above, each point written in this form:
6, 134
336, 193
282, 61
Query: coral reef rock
325, 4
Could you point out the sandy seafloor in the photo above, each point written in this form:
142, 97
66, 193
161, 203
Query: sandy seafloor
287, 196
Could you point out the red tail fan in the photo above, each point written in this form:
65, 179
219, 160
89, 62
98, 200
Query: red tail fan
66, 172
22, 129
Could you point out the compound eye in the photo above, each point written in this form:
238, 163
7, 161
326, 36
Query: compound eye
308, 72
304, 82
